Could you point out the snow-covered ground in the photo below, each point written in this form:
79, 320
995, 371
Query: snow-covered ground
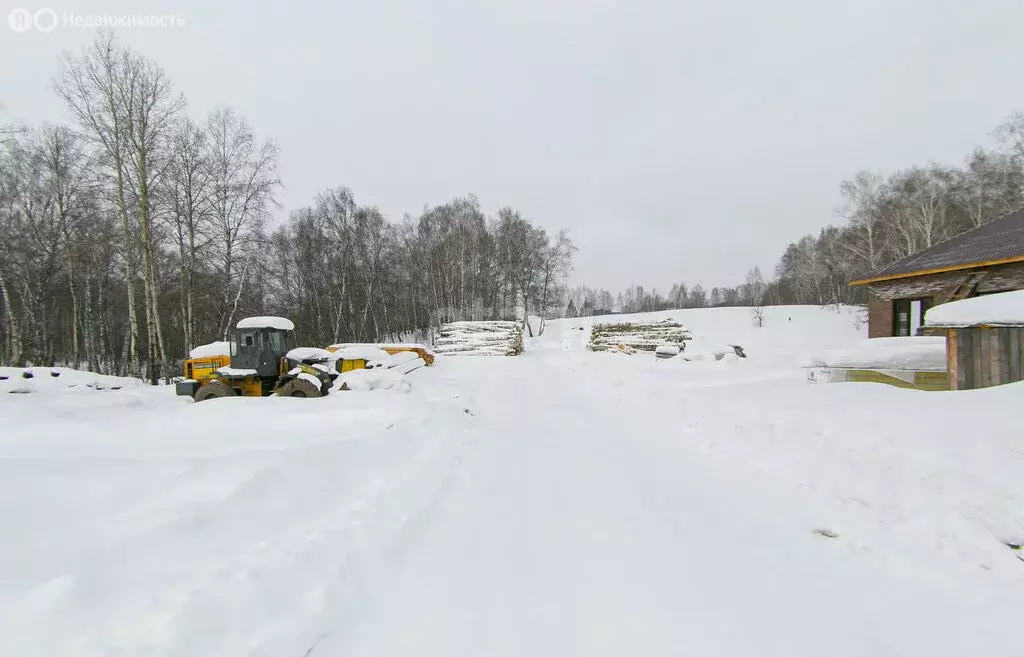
561, 502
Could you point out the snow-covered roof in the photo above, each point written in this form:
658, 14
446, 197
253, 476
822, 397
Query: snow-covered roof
1000, 239
919, 353
1003, 309
266, 322
211, 350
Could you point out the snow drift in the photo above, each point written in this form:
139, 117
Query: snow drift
59, 379
513, 506
919, 353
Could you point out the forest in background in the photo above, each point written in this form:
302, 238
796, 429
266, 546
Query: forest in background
884, 217
139, 231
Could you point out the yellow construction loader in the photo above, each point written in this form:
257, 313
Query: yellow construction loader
258, 366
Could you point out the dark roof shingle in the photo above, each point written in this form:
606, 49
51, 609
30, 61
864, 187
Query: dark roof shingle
999, 239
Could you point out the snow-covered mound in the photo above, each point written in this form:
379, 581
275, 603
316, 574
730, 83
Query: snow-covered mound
667, 351
419, 349
708, 354
211, 350
1003, 309
58, 379
366, 352
519, 504
404, 361
491, 338
373, 379
918, 353
312, 354
791, 335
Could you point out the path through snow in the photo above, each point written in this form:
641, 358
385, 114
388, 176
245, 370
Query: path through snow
557, 503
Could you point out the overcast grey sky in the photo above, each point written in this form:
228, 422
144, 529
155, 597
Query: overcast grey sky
677, 140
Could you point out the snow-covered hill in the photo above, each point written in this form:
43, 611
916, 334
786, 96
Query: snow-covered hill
789, 334
562, 503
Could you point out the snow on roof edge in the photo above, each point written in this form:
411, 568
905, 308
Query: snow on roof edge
268, 321
1001, 309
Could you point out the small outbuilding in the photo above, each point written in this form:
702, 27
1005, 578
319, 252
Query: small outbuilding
984, 339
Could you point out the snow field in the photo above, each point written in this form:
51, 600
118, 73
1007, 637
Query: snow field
196, 533
561, 503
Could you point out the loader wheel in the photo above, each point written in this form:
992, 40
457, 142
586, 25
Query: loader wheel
213, 390
298, 388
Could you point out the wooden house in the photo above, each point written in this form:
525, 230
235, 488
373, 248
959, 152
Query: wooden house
985, 260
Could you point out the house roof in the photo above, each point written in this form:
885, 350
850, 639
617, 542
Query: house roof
997, 242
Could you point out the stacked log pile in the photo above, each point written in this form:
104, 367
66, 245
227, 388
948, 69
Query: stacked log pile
637, 336
493, 338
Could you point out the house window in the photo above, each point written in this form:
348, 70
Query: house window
908, 315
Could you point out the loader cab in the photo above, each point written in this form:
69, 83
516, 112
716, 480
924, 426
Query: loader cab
260, 349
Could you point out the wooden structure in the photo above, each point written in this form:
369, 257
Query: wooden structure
637, 336
918, 363
984, 339
912, 379
984, 356
985, 260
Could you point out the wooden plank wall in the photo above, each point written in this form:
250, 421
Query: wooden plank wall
986, 356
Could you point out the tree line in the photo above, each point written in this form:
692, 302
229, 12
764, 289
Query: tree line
755, 291
888, 217
884, 218
139, 232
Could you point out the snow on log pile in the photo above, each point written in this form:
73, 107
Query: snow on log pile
367, 352
1004, 309
729, 353
311, 355
404, 361
26, 380
425, 353
667, 351
492, 338
373, 379
639, 336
